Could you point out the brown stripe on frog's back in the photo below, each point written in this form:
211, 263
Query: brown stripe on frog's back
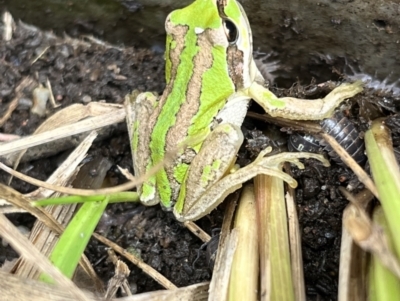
202, 61
146, 144
201, 107
164, 118
173, 59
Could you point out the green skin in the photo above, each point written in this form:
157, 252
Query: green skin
211, 77
211, 100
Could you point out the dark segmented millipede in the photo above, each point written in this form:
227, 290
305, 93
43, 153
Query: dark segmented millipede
340, 128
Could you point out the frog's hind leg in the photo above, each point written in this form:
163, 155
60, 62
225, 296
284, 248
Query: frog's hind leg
216, 193
214, 160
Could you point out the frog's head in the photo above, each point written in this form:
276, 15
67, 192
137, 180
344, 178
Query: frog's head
217, 28
239, 36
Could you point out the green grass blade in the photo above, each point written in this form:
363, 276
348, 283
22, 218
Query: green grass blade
125, 196
73, 241
384, 285
386, 174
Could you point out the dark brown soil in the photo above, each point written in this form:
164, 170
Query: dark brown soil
79, 72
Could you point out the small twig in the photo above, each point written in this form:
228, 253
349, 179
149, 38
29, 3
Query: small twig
52, 99
9, 111
350, 162
196, 230
138, 262
40, 55
13, 104
89, 192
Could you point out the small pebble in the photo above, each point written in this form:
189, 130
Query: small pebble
86, 99
40, 97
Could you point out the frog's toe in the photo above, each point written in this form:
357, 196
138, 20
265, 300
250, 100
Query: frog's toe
295, 161
321, 158
293, 158
276, 172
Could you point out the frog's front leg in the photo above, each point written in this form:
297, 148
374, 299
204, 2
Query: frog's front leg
209, 180
302, 109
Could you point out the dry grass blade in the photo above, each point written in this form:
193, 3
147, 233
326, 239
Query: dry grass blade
17, 199
52, 100
34, 290
196, 292
352, 271
243, 283
351, 163
30, 253
29, 289
86, 192
226, 248
68, 115
370, 237
89, 124
275, 261
66, 170
224, 269
296, 256
353, 260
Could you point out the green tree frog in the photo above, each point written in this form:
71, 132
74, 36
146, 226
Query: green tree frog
210, 79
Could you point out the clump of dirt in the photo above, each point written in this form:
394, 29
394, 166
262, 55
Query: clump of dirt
86, 70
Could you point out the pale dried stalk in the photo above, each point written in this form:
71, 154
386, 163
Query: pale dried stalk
275, 262
35, 290
92, 123
243, 283
353, 260
296, 256
226, 248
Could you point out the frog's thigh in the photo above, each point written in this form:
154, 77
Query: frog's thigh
141, 108
215, 158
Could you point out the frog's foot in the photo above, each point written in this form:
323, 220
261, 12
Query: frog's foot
339, 94
218, 191
273, 165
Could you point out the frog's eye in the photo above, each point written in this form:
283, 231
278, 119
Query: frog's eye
231, 31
